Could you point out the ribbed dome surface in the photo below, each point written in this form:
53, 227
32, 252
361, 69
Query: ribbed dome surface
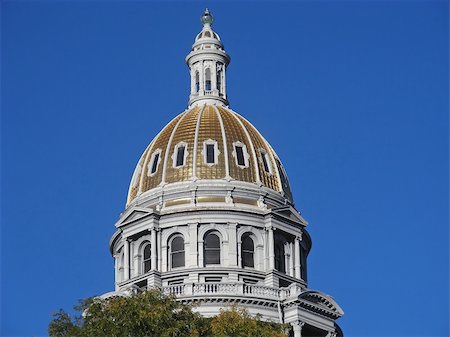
226, 133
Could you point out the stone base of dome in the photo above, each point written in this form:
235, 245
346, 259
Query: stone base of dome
210, 193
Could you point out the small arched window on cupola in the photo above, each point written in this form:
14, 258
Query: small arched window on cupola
197, 81
208, 79
212, 249
247, 251
219, 78
147, 262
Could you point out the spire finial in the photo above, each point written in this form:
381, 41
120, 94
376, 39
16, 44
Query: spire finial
207, 18
207, 64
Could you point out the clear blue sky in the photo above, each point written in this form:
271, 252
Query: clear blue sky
352, 95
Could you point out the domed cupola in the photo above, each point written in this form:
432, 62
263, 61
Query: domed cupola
209, 142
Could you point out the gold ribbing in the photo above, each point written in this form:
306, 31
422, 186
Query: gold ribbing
184, 133
210, 129
267, 179
235, 128
235, 133
160, 143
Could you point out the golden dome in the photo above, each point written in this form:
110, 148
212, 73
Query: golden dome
208, 143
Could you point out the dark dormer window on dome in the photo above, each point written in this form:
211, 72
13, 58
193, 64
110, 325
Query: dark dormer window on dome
154, 162
240, 154
179, 155
210, 152
266, 161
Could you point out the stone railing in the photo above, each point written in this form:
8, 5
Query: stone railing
215, 288
263, 291
175, 289
230, 289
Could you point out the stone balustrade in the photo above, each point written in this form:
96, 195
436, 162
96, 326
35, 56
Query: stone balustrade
230, 289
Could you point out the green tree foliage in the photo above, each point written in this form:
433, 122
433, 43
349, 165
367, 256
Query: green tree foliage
151, 314
237, 322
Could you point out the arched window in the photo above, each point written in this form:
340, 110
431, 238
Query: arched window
280, 263
208, 79
219, 81
177, 257
147, 261
197, 82
247, 251
212, 249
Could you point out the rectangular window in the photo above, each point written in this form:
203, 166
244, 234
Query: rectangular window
247, 259
147, 266
178, 259
180, 156
155, 163
240, 155
265, 162
212, 256
210, 154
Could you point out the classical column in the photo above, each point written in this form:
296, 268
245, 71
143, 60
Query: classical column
153, 249
126, 259
291, 259
137, 263
213, 68
116, 268
200, 254
193, 246
297, 328
224, 87
158, 244
164, 257
193, 80
202, 78
232, 245
297, 258
239, 250
271, 249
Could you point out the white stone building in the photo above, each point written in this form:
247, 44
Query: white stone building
210, 216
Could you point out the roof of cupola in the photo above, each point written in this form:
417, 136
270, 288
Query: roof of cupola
207, 32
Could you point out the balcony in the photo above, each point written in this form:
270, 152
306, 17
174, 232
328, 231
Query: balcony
226, 289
